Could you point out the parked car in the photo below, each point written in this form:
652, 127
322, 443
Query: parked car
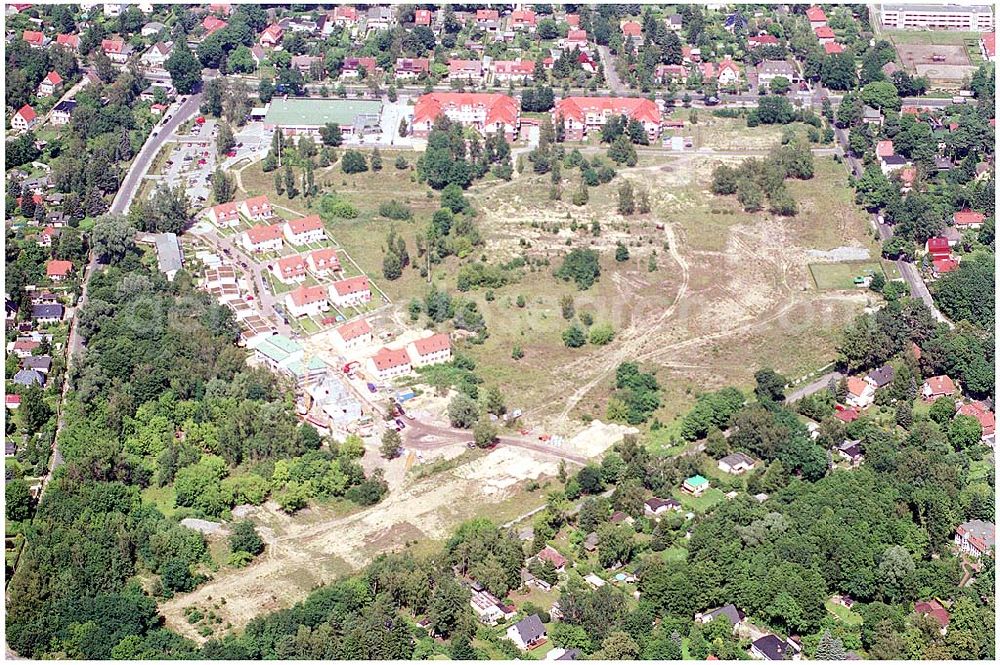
400, 425
372, 387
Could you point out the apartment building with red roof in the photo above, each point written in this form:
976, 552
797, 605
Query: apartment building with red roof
486, 112
388, 363
256, 208
512, 70
263, 238
351, 291
430, 350
354, 334
583, 115
307, 301
290, 269
323, 261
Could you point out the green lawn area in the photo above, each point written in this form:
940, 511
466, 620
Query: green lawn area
891, 270
674, 554
849, 617
929, 37
309, 325
700, 504
838, 276
161, 497
666, 440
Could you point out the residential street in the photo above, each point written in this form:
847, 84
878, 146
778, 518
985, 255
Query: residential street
813, 387
428, 436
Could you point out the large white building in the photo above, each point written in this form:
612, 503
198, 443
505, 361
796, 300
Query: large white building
430, 350
968, 18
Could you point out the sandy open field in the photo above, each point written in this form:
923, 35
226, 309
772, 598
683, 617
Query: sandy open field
943, 64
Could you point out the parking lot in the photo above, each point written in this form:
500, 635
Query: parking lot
191, 161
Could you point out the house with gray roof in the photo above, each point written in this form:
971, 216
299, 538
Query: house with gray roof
734, 615
527, 633
41, 364
46, 314
29, 377
168, 254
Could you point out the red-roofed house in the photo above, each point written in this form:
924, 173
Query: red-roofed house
411, 68
860, 393
47, 235
968, 219
430, 350
263, 238
423, 17
12, 402
937, 386
23, 348
117, 50
943, 266
487, 112
981, 412
762, 40
832, 47
934, 610
816, 16
573, 20
58, 270
522, 19
825, 34
25, 118
224, 214
976, 537
290, 269
729, 72
846, 414
213, 24
938, 247
512, 70
553, 556
884, 149
307, 301
465, 70
633, 30
272, 36
575, 39
354, 334
323, 261
387, 363
304, 230
664, 73
988, 46
71, 42
488, 19
256, 208
585, 114
353, 291
351, 69
34, 38
907, 176
49, 84
345, 15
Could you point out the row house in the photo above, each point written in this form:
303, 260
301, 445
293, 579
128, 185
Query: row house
352, 291
307, 301
256, 208
388, 363
583, 115
304, 230
353, 335
289, 269
486, 112
263, 238
512, 70
323, 261
380, 18
430, 350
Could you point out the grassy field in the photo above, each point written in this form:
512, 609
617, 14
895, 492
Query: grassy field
701, 504
842, 275
849, 617
931, 37
674, 554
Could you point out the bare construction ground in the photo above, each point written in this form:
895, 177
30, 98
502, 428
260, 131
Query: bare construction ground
943, 64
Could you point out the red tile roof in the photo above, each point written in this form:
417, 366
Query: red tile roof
305, 224
763, 40
631, 29
576, 36
306, 295
58, 268
225, 211
499, 108
940, 385
264, 232
938, 246
825, 32
832, 47
33, 37
389, 359
354, 329
72, 41
347, 287
326, 258
272, 33
933, 609
212, 23
884, 149
944, 266
112, 45
856, 386
573, 19
967, 217
487, 15
980, 412
847, 415
54, 78
550, 554
514, 67
291, 266
346, 12
258, 202
633, 107
522, 17
422, 17
815, 14
432, 344
27, 113
990, 43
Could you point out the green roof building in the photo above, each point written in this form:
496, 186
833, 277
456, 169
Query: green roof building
695, 485
305, 116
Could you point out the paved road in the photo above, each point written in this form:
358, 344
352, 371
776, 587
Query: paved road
130, 186
610, 72
428, 436
814, 387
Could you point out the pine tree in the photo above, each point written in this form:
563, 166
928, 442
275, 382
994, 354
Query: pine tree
830, 648
904, 414
376, 160
278, 183
290, 190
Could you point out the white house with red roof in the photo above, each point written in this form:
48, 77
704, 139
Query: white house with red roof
512, 70
353, 335
345, 15
49, 84
968, 219
430, 350
522, 19
762, 40
987, 419
256, 208
290, 269
351, 291
304, 230
976, 537
988, 46
224, 215
47, 235
884, 149
666, 73
552, 555
937, 386
353, 66
272, 36
825, 34
117, 50
388, 363
729, 72
423, 17
411, 68
263, 238
938, 247
58, 270
860, 393
34, 38
575, 39
583, 115
632, 30
212, 24
486, 112
323, 261
307, 301
816, 16
25, 118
